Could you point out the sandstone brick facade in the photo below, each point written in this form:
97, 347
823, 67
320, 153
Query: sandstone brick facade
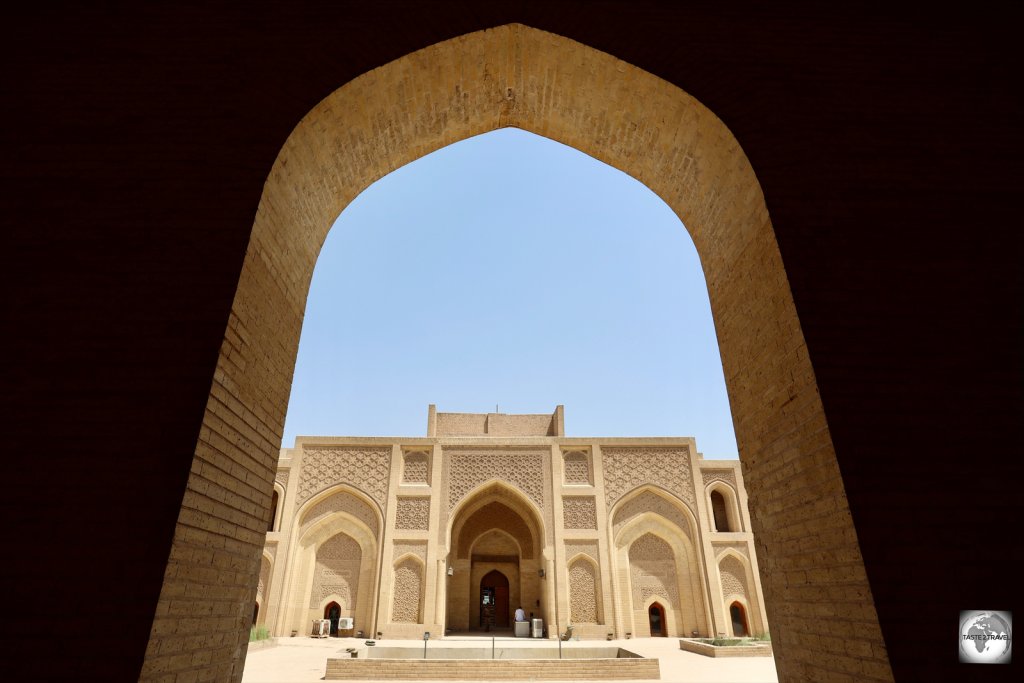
411, 534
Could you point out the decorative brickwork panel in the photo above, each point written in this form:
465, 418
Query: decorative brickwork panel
262, 586
282, 477
647, 501
417, 548
734, 577
366, 469
741, 548
342, 501
412, 513
577, 467
337, 572
728, 476
416, 468
589, 548
467, 469
407, 588
579, 512
652, 571
627, 468
582, 593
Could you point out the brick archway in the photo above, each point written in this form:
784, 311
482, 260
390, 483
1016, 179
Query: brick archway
630, 119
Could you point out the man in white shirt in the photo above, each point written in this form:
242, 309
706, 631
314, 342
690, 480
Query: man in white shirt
520, 614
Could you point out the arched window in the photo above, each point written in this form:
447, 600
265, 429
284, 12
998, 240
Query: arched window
273, 511
720, 511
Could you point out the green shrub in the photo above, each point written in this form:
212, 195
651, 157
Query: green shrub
258, 633
763, 636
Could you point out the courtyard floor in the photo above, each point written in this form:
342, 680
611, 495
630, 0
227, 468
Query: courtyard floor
303, 659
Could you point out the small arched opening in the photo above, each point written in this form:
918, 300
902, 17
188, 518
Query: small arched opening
332, 611
720, 511
738, 616
656, 617
273, 511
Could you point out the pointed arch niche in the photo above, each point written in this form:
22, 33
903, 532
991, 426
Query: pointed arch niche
494, 529
630, 119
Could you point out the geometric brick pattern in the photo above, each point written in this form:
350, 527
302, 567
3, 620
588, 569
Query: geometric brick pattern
524, 469
582, 592
365, 469
343, 501
412, 513
407, 589
577, 467
579, 512
627, 468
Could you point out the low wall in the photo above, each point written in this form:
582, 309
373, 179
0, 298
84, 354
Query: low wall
635, 668
762, 649
549, 652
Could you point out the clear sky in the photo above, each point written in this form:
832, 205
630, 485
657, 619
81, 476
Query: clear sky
510, 270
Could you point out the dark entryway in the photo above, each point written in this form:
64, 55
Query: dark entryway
656, 614
739, 620
333, 612
494, 600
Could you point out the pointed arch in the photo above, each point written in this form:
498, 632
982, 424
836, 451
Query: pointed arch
726, 516
409, 572
650, 129
585, 600
736, 576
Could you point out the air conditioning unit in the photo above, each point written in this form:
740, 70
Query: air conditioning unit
346, 623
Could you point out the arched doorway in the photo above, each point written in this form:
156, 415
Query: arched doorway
656, 617
738, 615
681, 150
333, 612
494, 600
495, 555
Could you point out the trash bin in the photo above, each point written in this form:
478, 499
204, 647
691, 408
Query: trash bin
537, 628
522, 629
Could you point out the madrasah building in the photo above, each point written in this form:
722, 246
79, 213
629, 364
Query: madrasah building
632, 537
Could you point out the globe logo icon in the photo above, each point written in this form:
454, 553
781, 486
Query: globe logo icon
985, 637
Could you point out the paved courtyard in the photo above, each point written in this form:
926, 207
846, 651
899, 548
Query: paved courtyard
303, 659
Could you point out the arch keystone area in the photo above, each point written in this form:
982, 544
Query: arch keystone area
517, 76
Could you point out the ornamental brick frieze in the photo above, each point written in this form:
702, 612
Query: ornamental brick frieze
579, 512
417, 548
282, 477
405, 608
337, 571
627, 468
577, 467
366, 469
469, 468
574, 548
343, 501
649, 501
412, 513
728, 476
582, 593
721, 548
734, 577
652, 571
415, 468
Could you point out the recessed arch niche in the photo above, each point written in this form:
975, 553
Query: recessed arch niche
517, 76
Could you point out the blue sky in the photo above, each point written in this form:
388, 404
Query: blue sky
509, 269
